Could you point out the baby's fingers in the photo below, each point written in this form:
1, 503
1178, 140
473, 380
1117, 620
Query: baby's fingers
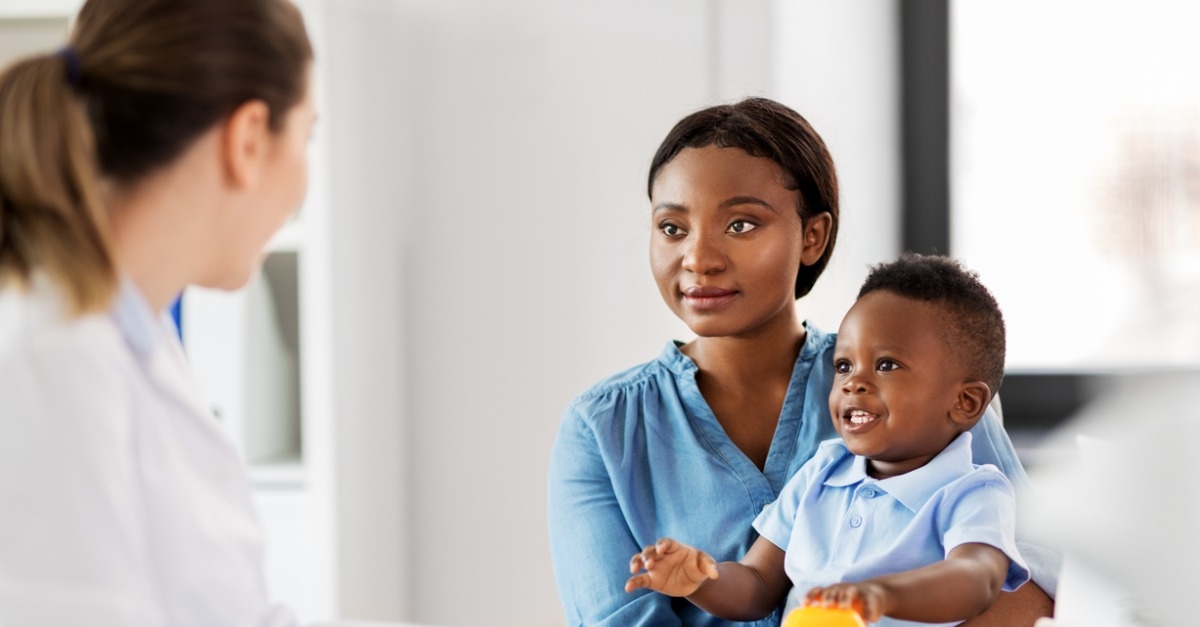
667, 545
831, 596
644, 560
636, 563
637, 581
846, 596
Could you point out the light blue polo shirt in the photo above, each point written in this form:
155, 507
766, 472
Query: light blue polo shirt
835, 523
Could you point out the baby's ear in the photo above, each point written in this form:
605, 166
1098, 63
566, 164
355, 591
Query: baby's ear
969, 405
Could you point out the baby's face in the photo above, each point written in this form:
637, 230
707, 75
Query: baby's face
896, 381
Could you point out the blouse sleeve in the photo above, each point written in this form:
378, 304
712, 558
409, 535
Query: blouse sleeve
590, 540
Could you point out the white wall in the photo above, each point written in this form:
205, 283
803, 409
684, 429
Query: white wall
838, 64
487, 204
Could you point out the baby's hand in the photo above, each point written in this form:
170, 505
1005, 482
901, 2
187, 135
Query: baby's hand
672, 568
869, 599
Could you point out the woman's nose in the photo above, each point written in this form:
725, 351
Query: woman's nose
703, 254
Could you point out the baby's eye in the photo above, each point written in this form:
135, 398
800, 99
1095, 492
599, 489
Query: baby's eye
841, 366
741, 226
887, 365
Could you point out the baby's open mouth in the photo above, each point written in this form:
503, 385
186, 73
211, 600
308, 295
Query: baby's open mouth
860, 417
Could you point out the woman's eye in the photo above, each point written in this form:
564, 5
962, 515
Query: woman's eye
887, 365
670, 230
741, 226
842, 367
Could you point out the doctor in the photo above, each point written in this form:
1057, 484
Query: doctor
162, 147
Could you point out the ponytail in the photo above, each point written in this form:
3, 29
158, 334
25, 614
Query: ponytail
139, 82
52, 218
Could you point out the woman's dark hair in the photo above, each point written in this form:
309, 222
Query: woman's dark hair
768, 129
138, 82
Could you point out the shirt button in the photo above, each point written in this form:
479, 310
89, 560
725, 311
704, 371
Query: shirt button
869, 493
856, 522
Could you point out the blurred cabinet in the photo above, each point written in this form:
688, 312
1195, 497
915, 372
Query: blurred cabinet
246, 350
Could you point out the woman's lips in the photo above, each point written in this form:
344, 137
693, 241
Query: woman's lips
708, 298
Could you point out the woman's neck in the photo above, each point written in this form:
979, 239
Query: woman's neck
162, 224
758, 358
154, 241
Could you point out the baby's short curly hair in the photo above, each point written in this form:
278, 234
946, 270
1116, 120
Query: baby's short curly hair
974, 324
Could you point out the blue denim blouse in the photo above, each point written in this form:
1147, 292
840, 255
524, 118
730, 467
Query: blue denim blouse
640, 456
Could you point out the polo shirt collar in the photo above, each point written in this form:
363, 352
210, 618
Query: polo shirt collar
913, 488
850, 469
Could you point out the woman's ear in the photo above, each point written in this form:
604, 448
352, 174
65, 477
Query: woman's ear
246, 143
970, 403
816, 238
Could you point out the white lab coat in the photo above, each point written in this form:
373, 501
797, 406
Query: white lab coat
122, 502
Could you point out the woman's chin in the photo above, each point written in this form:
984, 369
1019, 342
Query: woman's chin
712, 328
728, 327
229, 281
739, 322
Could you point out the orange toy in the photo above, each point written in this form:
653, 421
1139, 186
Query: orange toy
817, 616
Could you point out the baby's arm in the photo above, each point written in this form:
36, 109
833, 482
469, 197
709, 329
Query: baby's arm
746, 590
959, 587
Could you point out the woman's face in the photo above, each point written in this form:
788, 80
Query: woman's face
286, 180
275, 195
727, 241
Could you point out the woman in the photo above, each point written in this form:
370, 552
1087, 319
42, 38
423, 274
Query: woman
162, 147
692, 445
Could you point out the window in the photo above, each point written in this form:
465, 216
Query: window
1075, 176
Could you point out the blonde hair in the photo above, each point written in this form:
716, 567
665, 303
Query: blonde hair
51, 215
138, 83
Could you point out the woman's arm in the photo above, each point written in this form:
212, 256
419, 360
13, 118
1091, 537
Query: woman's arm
590, 539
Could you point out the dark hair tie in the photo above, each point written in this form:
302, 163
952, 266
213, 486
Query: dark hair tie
71, 58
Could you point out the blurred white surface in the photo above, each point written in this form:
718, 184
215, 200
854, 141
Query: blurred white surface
1125, 509
366, 624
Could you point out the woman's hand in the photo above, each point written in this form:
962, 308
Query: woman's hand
671, 567
871, 600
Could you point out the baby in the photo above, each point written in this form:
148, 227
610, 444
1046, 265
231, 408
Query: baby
892, 519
